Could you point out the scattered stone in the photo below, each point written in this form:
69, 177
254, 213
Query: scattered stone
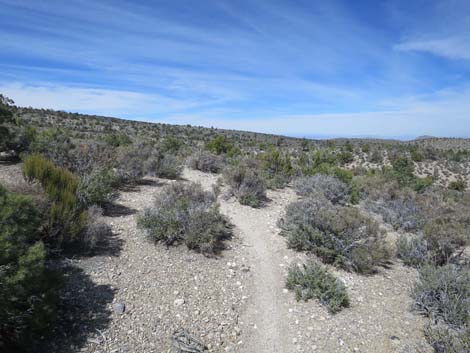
119, 308
179, 302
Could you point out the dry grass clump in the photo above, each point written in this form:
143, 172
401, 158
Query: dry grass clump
185, 213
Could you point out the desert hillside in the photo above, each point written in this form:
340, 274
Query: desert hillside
124, 236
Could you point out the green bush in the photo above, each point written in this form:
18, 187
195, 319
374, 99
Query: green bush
6, 117
118, 139
219, 145
28, 291
458, 185
98, 187
376, 157
338, 235
403, 170
185, 213
67, 218
345, 157
313, 281
276, 168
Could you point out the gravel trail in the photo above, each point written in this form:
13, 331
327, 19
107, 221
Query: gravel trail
267, 311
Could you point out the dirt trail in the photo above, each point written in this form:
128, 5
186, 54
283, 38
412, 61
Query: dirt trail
265, 318
266, 312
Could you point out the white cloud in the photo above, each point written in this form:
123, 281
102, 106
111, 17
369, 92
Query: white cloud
451, 47
91, 100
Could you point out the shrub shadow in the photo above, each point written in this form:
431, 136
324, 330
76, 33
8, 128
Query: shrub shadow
117, 210
84, 312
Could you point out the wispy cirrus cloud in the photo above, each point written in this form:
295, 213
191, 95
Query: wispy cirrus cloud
457, 47
234, 63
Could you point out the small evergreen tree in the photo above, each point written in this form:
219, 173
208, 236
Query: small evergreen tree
27, 289
6, 117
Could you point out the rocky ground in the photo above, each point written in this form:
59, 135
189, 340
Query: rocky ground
133, 295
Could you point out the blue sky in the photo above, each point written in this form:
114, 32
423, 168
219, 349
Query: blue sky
302, 68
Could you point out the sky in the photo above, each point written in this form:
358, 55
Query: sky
396, 69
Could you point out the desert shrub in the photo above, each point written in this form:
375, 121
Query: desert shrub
67, 218
55, 145
205, 162
129, 163
6, 117
444, 237
276, 168
355, 194
421, 184
28, 291
376, 157
416, 155
219, 145
96, 230
118, 139
458, 185
443, 294
312, 280
413, 250
403, 170
172, 145
446, 339
345, 157
98, 187
338, 235
134, 162
397, 205
185, 213
402, 212
246, 185
162, 166
333, 189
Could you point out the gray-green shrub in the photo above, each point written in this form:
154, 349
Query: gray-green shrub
338, 235
98, 187
313, 280
333, 189
413, 250
246, 185
443, 294
163, 166
205, 162
185, 213
96, 230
